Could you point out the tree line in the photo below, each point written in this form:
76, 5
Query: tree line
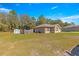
12, 20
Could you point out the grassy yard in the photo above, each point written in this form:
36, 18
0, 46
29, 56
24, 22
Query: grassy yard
37, 44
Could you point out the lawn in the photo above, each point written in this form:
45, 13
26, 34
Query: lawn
52, 44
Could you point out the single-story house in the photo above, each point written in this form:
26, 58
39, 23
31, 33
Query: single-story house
47, 28
71, 28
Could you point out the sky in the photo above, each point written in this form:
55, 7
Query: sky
67, 12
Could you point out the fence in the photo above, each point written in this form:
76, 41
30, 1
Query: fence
28, 31
22, 31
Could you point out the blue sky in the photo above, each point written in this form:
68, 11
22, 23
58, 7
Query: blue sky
67, 12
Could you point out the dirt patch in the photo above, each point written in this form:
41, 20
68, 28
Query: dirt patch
12, 45
73, 37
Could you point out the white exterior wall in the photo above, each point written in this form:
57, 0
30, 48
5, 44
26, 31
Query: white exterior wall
42, 30
47, 31
16, 31
57, 29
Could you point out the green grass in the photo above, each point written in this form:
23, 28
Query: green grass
37, 43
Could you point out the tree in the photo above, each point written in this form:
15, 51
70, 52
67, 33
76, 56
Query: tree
3, 22
12, 12
50, 21
72, 23
58, 21
2, 18
42, 20
26, 21
67, 24
33, 22
13, 20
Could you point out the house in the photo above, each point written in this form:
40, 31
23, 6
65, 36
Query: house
47, 28
71, 28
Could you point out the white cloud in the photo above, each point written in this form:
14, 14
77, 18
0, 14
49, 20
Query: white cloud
55, 16
73, 18
70, 18
54, 7
4, 10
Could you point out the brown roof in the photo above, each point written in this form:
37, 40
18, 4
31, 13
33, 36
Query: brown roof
71, 26
46, 25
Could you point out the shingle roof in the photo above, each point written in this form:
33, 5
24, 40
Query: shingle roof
71, 26
46, 25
